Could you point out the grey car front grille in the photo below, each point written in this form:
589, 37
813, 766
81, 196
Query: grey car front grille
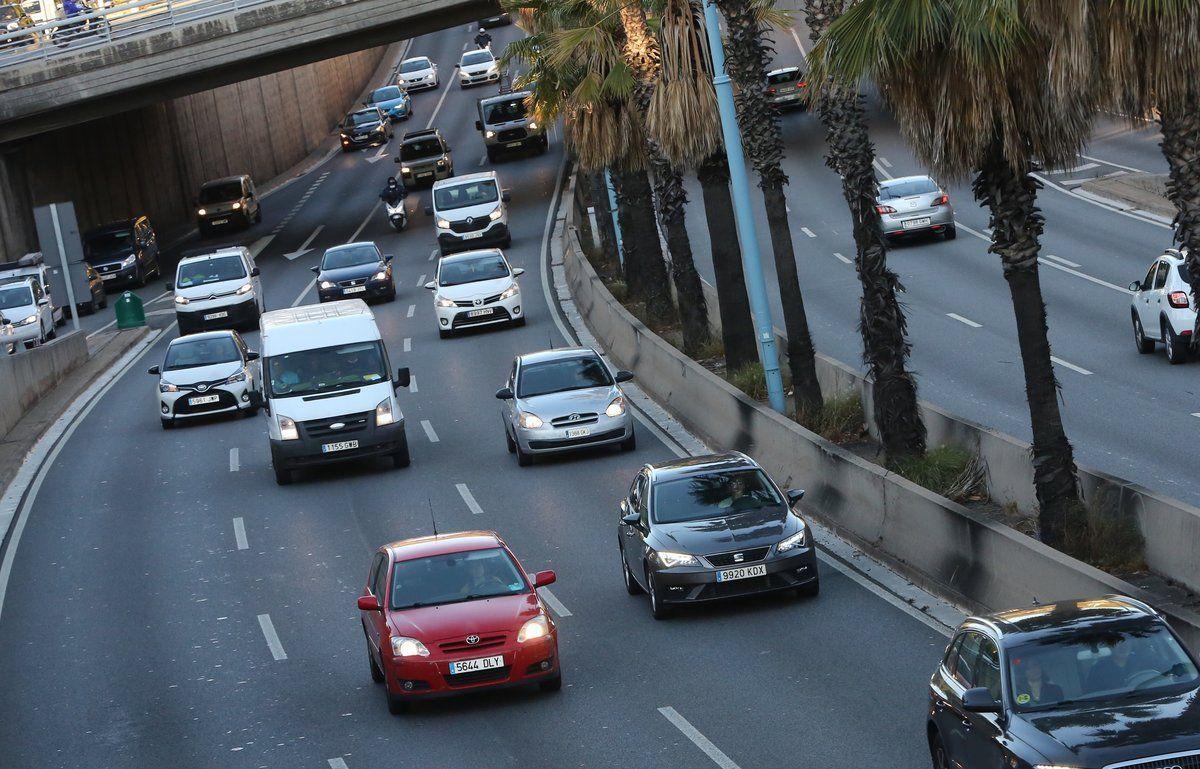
573, 420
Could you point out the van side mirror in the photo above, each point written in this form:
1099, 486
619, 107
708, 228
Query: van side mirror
252, 355
506, 195
504, 394
255, 272
794, 496
478, 125
624, 376
431, 285
403, 377
979, 700
544, 577
1135, 286
153, 370
368, 603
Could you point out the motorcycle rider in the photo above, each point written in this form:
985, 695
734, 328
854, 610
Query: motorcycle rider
483, 39
393, 192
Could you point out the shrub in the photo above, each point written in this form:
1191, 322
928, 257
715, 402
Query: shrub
1100, 534
750, 380
947, 470
840, 419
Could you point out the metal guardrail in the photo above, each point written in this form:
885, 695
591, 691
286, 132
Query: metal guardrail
107, 25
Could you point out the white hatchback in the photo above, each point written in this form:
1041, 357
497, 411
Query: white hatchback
1163, 309
417, 72
208, 373
476, 288
478, 66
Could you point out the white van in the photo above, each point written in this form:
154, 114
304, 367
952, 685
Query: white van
470, 212
217, 289
328, 389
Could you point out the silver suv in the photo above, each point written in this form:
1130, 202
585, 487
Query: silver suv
424, 158
506, 124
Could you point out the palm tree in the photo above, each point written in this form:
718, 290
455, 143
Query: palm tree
882, 323
747, 57
975, 88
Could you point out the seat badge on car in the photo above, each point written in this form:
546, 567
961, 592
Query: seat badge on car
472, 639
738, 558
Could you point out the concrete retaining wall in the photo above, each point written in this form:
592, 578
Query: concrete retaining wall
28, 375
152, 160
934, 541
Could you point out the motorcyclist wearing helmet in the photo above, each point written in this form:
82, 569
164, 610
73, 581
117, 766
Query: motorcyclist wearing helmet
393, 192
483, 39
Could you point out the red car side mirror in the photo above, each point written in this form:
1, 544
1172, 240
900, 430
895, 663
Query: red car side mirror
543, 578
368, 603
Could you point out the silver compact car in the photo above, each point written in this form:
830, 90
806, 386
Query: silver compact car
561, 400
207, 373
915, 205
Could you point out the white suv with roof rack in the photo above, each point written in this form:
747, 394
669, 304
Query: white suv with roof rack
1163, 309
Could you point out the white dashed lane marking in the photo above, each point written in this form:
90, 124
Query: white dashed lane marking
412, 308
429, 431
239, 534
412, 383
843, 258
337, 763
961, 319
1071, 366
468, 498
698, 739
273, 643
234, 463
552, 601
808, 232
408, 344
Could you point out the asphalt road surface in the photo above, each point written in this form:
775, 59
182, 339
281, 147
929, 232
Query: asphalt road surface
169, 605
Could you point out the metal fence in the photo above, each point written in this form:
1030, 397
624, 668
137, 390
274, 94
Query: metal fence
108, 25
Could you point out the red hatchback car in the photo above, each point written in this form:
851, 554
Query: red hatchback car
454, 613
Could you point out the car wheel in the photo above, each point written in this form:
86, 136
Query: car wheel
376, 671
396, 705
1176, 351
631, 585
443, 333
523, 459
512, 446
400, 458
519, 321
87, 308
491, 154
630, 443
139, 278
167, 424
551, 684
1143, 344
283, 476
391, 297
951, 232
657, 608
53, 334
258, 215
103, 301
937, 752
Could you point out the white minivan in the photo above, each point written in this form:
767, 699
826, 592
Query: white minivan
217, 289
329, 393
470, 212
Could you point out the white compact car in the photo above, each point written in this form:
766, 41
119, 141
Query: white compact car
478, 67
27, 308
220, 289
209, 373
477, 288
470, 212
416, 73
1163, 309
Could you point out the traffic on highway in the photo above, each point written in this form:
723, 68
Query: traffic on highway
378, 501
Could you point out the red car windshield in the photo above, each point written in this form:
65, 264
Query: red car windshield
454, 578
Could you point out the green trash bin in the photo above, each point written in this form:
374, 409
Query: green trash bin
130, 313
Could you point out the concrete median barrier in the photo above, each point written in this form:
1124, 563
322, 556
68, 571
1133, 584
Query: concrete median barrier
28, 375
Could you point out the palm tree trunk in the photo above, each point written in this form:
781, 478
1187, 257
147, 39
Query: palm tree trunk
882, 323
645, 270
1180, 125
737, 324
598, 192
672, 204
1016, 227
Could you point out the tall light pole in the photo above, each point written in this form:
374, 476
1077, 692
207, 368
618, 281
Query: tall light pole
756, 285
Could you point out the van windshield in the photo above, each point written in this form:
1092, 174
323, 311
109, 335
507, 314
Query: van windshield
463, 195
215, 270
326, 369
108, 243
221, 192
12, 297
506, 111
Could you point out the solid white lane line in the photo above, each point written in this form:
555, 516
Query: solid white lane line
412, 308
1071, 366
961, 319
429, 433
239, 534
337, 763
799, 44
1114, 165
437, 107
1099, 202
408, 344
304, 247
886, 163
698, 739
808, 232
552, 601
843, 258
234, 465
273, 643
412, 383
468, 498
1060, 260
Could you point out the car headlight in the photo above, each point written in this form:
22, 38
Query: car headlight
244, 289
202, 212
167, 387
182, 300
287, 429
529, 421
799, 539
443, 224
383, 413
495, 214
236, 206
403, 646
381, 128
532, 125
670, 560
27, 321
405, 170
326, 284
510, 292
441, 301
616, 408
237, 376
441, 164
381, 275
538, 627
489, 134
129, 261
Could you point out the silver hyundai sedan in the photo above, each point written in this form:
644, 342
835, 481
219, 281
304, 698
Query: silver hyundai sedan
915, 205
561, 400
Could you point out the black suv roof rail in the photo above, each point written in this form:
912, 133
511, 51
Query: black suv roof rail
422, 132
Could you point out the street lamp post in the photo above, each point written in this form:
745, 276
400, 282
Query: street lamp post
747, 235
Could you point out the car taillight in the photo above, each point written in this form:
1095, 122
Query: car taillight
770, 91
1178, 299
802, 84
885, 209
943, 200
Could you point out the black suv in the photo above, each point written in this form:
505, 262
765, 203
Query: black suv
424, 158
1084, 684
124, 252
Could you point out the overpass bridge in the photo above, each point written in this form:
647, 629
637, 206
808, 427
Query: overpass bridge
61, 74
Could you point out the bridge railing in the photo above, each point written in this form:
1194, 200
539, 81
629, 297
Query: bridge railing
107, 25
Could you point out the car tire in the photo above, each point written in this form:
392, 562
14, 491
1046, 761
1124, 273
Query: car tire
658, 609
523, 459
811, 590
631, 585
396, 705
258, 215
937, 752
630, 443
545, 145
951, 232
139, 279
1176, 351
376, 671
52, 334
391, 297
87, 308
283, 476
167, 424
1143, 344
508, 441
401, 458
443, 333
551, 684
104, 301
491, 154
519, 321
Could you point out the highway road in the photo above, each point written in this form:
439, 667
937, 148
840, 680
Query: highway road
166, 604
1126, 414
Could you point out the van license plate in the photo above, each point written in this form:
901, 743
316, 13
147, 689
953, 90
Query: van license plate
742, 572
219, 221
477, 313
354, 290
215, 315
202, 399
474, 666
329, 448
578, 432
471, 235
510, 145
912, 224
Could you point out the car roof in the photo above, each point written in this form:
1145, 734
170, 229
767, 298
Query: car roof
209, 253
463, 256
118, 224
454, 181
355, 244
781, 70
689, 466
1017, 626
510, 96
225, 180
417, 58
422, 134
541, 356
903, 179
364, 111
442, 544
219, 334
346, 321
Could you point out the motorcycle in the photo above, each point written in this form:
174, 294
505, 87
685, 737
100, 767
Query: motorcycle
396, 215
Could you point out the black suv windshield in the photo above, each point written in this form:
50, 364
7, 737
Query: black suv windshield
190, 353
351, 256
214, 270
556, 376
463, 195
108, 243
12, 297
506, 111
420, 148
472, 270
453, 578
712, 495
416, 65
1098, 666
904, 189
326, 369
221, 193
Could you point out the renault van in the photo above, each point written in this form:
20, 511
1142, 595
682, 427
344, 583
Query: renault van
329, 392
470, 212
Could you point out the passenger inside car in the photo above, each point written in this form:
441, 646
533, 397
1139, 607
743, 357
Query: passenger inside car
1033, 685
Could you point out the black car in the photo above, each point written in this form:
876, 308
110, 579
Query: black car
97, 297
125, 252
499, 20
1085, 684
365, 128
228, 202
355, 271
712, 527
